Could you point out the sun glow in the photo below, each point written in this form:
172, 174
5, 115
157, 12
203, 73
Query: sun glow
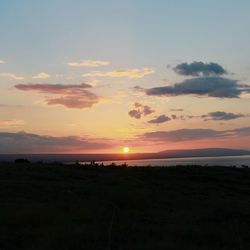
125, 150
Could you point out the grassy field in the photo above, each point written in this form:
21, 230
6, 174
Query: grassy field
53, 206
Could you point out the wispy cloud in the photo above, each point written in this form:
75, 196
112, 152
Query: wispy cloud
11, 106
88, 63
32, 143
42, 75
160, 119
177, 110
70, 96
221, 115
11, 123
53, 88
2, 62
242, 131
212, 116
183, 135
11, 76
130, 73
193, 134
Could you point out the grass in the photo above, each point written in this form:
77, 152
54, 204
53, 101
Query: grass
52, 206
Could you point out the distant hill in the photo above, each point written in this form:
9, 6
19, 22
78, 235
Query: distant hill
204, 152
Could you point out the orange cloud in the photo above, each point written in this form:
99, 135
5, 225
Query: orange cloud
42, 75
11, 123
88, 63
11, 76
130, 73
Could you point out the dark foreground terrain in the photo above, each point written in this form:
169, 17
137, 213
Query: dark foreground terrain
75, 207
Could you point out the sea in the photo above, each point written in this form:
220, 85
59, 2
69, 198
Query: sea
237, 161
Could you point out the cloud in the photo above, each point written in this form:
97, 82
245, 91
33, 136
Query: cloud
141, 110
220, 115
177, 110
11, 76
87, 100
11, 123
54, 88
2, 62
42, 75
242, 131
199, 69
135, 113
138, 89
138, 105
147, 110
203, 86
11, 106
212, 116
88, 63
130, 73
31, 143
70, 96
183, 135
160, 119
194, 134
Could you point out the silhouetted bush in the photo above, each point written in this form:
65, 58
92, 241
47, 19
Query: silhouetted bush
21, 160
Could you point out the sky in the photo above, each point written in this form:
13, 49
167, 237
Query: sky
93, 76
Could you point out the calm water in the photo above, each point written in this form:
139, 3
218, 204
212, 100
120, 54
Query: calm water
204, 161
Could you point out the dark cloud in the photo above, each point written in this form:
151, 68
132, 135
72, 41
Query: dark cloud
199, 69
177, 110
140, 110
194, 134
135, 113
203, 86
70, 96
31, 143
138, 88
138, 105
215, 116
147, 110
220, 115
160, 119
183, 135
242, 131
53, 88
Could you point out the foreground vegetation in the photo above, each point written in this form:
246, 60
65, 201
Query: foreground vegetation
82, 207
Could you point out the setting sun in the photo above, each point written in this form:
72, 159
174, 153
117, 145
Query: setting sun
125, 150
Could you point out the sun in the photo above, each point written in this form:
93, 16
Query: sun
125, 150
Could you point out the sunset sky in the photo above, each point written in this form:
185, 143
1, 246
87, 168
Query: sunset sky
92, 76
